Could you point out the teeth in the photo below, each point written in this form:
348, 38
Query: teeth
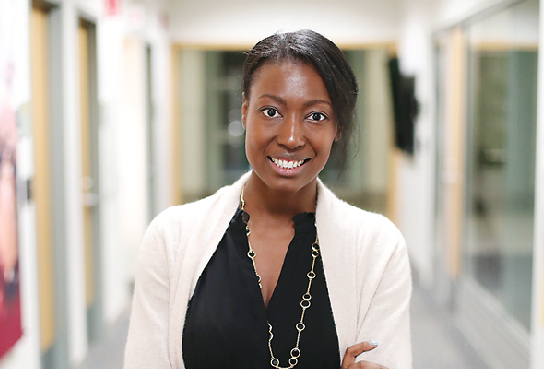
287, 164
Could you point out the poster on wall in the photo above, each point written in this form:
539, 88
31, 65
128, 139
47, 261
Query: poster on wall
10, 309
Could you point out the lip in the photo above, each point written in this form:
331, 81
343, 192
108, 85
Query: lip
287, 171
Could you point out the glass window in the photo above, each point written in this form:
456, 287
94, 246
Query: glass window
225, 153
501, 154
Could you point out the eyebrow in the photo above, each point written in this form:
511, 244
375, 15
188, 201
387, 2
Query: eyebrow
305, 105
315, 102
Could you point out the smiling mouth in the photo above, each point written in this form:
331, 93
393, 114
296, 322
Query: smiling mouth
288, 164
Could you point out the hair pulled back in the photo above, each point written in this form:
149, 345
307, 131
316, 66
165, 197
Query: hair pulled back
329, 61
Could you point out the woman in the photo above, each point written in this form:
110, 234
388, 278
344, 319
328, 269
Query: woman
274, 270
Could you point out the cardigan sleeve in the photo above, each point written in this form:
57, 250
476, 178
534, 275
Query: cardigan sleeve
387, 319
147, 342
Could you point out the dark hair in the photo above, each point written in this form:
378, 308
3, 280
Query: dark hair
329, 61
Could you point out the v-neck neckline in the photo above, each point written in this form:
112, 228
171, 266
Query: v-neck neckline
303, 222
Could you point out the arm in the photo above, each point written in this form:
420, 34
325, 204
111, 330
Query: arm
147, 342
387, 319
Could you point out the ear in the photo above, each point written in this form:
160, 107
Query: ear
245, 106
338, 135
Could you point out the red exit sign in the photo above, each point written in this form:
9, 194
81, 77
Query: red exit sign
113, 8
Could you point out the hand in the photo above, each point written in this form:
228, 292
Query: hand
353, 351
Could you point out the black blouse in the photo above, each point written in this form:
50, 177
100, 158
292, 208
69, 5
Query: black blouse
226, 322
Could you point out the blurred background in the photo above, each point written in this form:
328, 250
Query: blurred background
113, 110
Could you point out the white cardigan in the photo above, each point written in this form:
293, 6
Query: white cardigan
364, 258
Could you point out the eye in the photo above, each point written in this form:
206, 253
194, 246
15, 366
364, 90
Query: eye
270, 112
317, 116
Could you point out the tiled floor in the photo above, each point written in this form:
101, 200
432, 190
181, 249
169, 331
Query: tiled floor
108, 353
436, 342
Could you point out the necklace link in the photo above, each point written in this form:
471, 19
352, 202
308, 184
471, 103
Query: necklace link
304, 303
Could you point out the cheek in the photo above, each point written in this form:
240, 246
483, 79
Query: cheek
325, 143
256, 134
326, 152
253, 143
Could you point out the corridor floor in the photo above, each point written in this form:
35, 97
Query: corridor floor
436, 343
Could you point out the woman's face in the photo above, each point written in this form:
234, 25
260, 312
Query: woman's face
290, 126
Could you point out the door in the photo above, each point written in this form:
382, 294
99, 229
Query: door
89, 165
41, 188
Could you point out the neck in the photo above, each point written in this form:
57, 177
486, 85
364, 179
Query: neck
261, 199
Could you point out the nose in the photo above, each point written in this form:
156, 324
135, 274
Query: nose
290, 133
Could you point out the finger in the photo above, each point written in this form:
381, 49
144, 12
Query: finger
353, 351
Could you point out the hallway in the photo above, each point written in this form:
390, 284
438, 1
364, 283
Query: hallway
436, 343
112, 111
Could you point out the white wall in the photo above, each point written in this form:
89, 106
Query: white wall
131, 150
74, 237
247, 21
414, 176
159, 39
110, 34
537, 353
131, 130
122, 103
519, 25
447, 12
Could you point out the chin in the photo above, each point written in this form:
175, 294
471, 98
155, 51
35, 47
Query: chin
286, 185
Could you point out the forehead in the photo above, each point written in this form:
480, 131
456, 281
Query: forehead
288, 78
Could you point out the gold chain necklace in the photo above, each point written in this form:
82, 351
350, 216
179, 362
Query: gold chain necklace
304, 303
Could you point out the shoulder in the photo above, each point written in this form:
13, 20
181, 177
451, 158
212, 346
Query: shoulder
184, 217
178, 214
197, 211
367, 228
177, 225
